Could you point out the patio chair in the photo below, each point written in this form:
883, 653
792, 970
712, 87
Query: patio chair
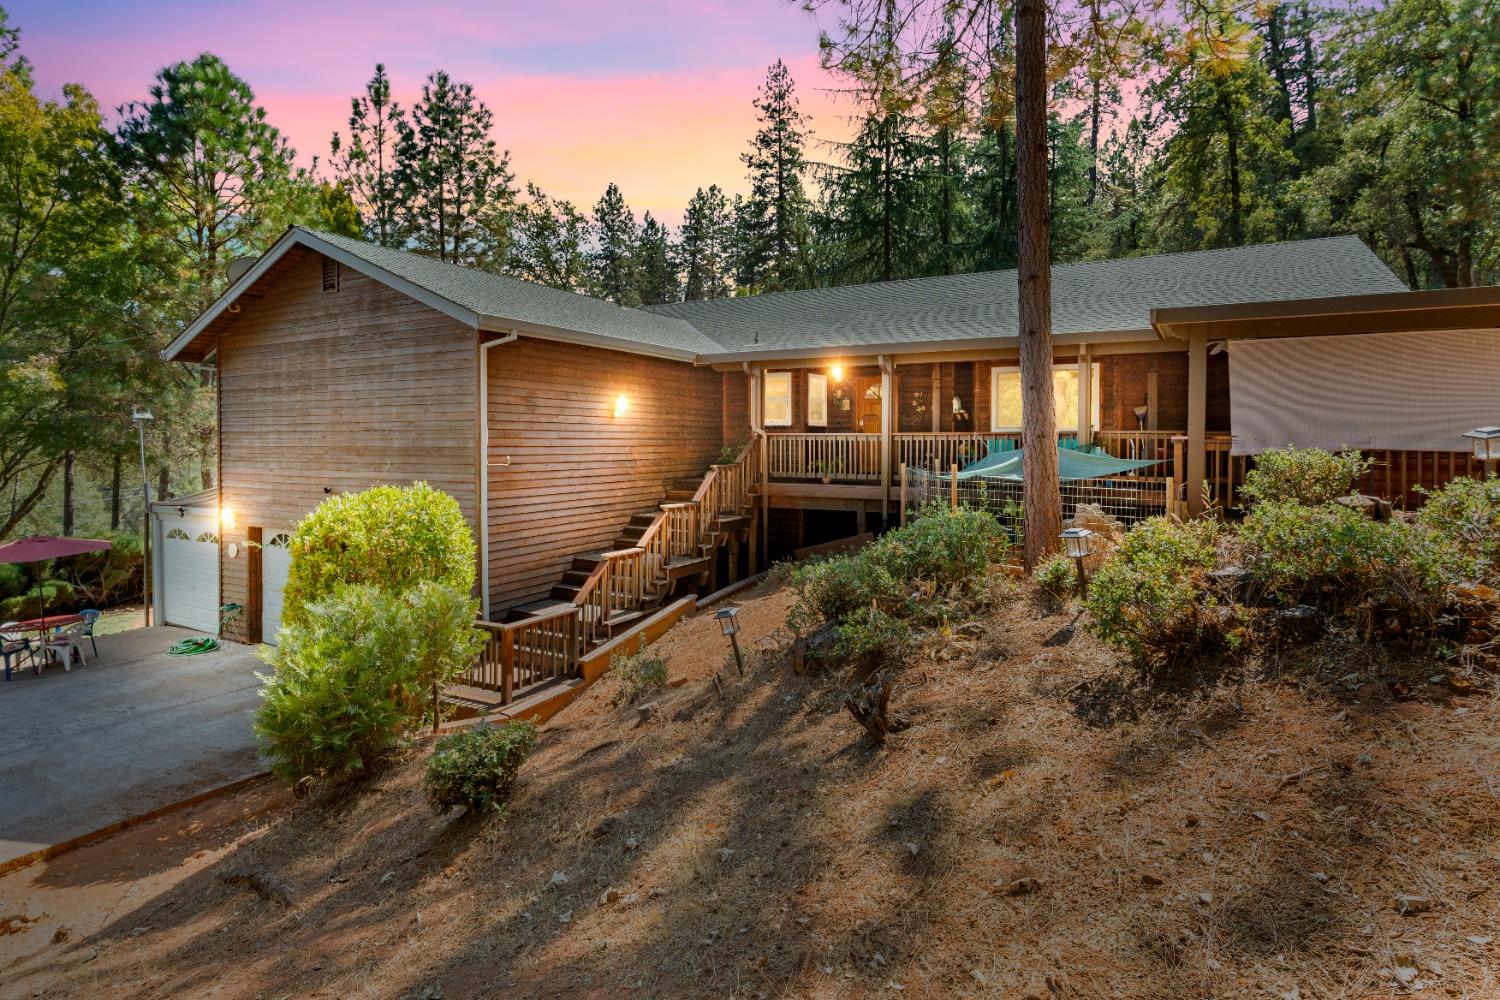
90, 616
66, 642
13, 646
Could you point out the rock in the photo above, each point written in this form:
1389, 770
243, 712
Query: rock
725, 853
644, 713
566, 917
607, 826
609, 896
677, 682
913, 848
1372, 507
1152, 879
1302, 623
1022, 887
1479, 939
1205, 898
1409, 906
558, 878
1320, 876
1232, 580
1261, 816
631, 843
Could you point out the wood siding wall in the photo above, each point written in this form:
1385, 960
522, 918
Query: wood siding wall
344, 389
577, 473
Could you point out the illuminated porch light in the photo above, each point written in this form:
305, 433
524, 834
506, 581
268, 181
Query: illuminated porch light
836, 373
622, 406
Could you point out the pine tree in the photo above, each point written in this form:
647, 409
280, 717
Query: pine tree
657, 279
550, 241
365, 163
875, 202
705, 247
612, 264
208, 174
456, 192
777, 212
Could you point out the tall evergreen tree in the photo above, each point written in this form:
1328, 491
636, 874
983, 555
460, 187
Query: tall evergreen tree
365, 163
454, 187
612, 265
550, 242
704, 251
777, 214
209, 175
657, 279
876, 200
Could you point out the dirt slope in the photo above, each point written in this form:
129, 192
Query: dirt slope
1250, 842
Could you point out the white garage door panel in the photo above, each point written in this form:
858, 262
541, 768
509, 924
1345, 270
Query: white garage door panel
190, 572
275, 563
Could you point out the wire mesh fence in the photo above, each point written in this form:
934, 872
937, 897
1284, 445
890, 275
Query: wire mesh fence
1126, 499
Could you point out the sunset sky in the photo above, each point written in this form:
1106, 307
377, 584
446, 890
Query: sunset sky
652, 94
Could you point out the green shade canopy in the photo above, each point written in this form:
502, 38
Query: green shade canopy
1071, 465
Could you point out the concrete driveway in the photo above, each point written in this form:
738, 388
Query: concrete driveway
133, 730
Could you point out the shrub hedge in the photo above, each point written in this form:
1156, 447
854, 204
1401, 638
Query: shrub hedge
476, 768
1302, 475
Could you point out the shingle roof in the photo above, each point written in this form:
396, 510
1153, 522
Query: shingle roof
1099, 297
1103, 298
510, 299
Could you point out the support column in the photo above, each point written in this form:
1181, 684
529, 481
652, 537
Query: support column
1197, 419
887, 418
1085, 396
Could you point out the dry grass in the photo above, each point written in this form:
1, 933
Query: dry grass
1248, 840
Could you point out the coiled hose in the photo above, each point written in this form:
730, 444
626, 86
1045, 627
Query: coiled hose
193, 646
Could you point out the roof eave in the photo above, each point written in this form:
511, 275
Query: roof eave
1375, 312
296, 236
839, 353
540, 331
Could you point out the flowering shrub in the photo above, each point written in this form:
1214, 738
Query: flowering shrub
1302, 475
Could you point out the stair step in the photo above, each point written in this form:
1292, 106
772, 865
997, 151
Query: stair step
679, 496
643, 520
621, 620
564, 592
587, 561
688, 485
545, 606
577, 577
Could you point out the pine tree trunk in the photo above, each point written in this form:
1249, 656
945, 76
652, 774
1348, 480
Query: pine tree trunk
162, 482
1276, 49
1232, 141
67, 503
114, 495
1043, 501
1309, 72
1095, 113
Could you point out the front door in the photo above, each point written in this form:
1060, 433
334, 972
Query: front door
867, 404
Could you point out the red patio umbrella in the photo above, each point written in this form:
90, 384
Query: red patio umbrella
40, 548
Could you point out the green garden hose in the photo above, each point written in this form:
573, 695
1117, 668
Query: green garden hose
191, 647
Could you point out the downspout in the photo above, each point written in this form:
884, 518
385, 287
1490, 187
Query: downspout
482, 513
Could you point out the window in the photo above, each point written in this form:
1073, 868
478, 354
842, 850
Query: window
1005, 397
778, 399
817, 400
178, 534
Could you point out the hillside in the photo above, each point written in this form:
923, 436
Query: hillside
1038, 831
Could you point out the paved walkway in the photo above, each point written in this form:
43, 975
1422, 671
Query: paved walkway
133, 730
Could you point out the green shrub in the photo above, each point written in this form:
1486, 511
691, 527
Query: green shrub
1467, 513
945, 546
476, 769
638, 673
870, 636
1302, 475
55, 596
832, 589
389, 536
1152, 598
1056, 578
112, 576
355, 675
1338, 558
13, 580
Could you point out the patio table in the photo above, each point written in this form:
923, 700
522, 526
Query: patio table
48, 624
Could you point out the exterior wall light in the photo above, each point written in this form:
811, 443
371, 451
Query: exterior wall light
836, 373
226, 518
1078, 543
622, 406
1486, 446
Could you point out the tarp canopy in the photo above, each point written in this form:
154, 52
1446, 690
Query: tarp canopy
1071, 464
1403, 391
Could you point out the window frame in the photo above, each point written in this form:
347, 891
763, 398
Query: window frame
766, 396
1094, 401
817, 392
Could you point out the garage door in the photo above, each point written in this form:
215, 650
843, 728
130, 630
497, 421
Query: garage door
275, 562
190, 571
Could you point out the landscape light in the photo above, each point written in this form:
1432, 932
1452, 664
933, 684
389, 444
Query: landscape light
1078, 542
1486, 445
729, 624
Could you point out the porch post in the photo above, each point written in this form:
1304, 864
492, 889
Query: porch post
887, 417
1197, 418
1085, 397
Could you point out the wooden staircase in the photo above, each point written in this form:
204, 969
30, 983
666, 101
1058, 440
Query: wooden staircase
604, 593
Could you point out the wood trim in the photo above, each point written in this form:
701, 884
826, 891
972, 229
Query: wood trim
254, 585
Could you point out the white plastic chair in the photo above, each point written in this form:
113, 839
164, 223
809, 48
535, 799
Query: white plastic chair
67, 642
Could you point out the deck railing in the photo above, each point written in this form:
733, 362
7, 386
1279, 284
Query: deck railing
838, 457
519, 655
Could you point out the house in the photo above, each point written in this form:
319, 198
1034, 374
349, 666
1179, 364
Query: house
606, 456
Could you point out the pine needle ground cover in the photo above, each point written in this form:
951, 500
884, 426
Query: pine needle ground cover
1329, 829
